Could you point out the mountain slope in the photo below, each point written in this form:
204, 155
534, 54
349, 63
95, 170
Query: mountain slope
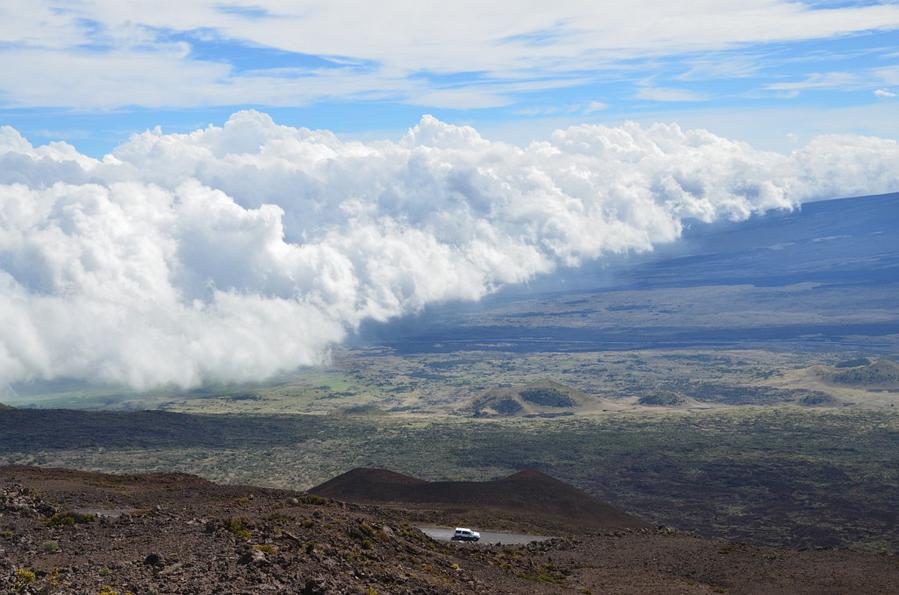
537, 399
541, 498
883, 373
69, 531
822, 275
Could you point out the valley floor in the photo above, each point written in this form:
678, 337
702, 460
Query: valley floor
785, 477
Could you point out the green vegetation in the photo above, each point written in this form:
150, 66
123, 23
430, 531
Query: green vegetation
662, 399
548, 573
314, 500
24, 577
373, 382
64, 519
883, 372
237, 527
797, 476
266, 548
816, 399
853, 363
362, 410
278, 519
50, 546
501, 406
534, 399
547, 396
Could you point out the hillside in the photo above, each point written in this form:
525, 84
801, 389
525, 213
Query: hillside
66, 531
662, 398
76, 532
882, 373
536, 399
543, 500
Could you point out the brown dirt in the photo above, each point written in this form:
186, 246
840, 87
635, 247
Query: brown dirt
528, 498
170, 533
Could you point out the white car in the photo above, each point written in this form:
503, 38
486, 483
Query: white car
465, 534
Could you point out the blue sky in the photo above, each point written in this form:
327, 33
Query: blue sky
770, 72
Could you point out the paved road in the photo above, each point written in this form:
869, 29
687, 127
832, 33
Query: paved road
487, 537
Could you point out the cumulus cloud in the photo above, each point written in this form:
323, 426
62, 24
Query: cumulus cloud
233, 253
883, 93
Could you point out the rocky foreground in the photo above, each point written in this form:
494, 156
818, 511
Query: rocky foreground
74, 532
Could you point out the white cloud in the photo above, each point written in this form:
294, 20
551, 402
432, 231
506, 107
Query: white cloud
889, 75
820, 80
232, 253
843, 81
652, 93
132, 59
588, 107
883, 93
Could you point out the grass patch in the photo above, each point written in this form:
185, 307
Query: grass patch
266, 548
50, 546
237, 527
65, 519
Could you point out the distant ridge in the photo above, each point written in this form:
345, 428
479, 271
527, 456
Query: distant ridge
882, 372
528, 494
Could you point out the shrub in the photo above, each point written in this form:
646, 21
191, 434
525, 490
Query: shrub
278, 519
237, 528
314, 500
547, 574
367, 529
50, 546
266, 548
24, 577
63, 519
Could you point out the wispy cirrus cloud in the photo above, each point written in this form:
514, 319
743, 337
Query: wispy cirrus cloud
587, 107
868, 79
653, 93
100, 54
889, 75
818, 80
595, 106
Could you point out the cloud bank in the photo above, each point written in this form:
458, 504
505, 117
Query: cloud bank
237, 252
